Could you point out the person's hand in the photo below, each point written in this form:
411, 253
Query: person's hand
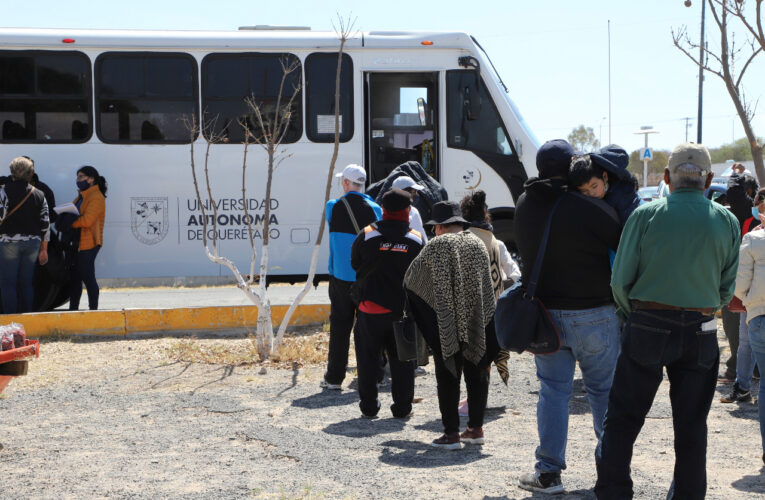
738, 168
43, 257
762, 221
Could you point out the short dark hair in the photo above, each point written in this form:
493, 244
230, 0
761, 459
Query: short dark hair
583, 169
760, 196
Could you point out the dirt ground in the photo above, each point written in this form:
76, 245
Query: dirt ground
124, 419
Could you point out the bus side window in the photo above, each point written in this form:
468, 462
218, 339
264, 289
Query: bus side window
42, 92
320, 72
145, 97
473, 122
229, 79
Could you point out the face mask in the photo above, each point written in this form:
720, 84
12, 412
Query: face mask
755, 213
83, 185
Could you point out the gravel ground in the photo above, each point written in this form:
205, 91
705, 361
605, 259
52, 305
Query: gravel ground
119, 419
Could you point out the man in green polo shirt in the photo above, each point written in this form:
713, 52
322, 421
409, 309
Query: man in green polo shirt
676, 265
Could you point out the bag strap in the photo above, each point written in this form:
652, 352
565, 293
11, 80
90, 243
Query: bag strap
18, 205
532, 286
350, 214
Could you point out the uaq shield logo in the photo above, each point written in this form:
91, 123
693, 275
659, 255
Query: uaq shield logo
148, 219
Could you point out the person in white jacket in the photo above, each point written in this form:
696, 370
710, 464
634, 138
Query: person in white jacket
415, 219
750, 288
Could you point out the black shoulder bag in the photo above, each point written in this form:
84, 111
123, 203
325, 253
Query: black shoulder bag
521, 320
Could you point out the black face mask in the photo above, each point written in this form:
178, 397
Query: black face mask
83, 185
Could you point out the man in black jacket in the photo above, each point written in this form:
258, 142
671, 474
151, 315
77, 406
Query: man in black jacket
380, 255
574, 285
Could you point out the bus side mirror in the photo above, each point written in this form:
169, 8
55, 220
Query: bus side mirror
472, 102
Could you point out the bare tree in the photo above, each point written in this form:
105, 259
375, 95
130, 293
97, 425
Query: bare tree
267, 128
725, 63
344, 29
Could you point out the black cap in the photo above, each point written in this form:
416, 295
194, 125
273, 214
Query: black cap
396, 199
446, 212
554, 158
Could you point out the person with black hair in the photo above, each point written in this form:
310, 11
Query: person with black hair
740, 194
91, 204
476, 212
595, 175
380, 255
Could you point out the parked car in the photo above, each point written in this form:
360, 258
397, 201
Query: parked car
648, 193
716, 191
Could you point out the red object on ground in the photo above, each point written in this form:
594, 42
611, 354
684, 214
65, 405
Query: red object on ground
30, 349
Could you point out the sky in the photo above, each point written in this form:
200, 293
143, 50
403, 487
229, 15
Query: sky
552, 54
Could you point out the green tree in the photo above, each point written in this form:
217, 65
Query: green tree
737, 151
583, 139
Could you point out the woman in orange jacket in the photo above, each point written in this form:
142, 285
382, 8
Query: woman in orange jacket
92, 206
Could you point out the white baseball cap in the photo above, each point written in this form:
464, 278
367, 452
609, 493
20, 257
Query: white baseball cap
354, 173
406, 182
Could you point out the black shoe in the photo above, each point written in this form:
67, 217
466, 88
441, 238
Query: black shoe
543, 482
737, 396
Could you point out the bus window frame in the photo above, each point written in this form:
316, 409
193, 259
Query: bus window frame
146, 54
307, 114
87, 97
247, 55
485, 88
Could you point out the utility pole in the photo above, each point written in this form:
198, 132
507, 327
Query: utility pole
687, 126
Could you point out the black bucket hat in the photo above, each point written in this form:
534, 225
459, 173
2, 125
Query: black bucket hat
446, 212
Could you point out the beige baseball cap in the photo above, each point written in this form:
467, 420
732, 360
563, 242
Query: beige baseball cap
690, 153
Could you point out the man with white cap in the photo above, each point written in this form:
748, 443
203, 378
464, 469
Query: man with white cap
675, 267
407, 184
346, 217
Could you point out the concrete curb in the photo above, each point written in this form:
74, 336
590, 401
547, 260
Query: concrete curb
135, 321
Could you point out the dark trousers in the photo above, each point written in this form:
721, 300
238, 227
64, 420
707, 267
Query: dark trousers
341, 316
373, 335
731, 327
448, 383
84, 271
653, 340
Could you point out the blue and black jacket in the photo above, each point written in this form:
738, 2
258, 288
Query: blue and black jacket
342, 233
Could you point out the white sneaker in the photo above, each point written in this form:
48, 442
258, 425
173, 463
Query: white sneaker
332, 387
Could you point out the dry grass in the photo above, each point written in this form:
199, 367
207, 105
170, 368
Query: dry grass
302, 349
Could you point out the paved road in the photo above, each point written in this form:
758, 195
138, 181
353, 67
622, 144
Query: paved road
167, 297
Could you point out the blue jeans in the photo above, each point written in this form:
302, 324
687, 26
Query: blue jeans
656, 339
745, 359
17, 275
591, 337
757, 341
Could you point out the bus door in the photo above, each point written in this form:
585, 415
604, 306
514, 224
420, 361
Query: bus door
479, 152
401, 122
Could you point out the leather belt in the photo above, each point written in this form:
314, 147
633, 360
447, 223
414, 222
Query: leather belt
638, 305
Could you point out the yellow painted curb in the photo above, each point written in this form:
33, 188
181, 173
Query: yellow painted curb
130, 321
69, 323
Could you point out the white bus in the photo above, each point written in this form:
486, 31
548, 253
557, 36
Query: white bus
117, 100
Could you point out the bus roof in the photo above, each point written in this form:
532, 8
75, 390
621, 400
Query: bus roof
240, 39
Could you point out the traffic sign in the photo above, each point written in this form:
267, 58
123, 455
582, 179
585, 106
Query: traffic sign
646, 154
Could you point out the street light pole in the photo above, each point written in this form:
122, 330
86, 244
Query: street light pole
645, 131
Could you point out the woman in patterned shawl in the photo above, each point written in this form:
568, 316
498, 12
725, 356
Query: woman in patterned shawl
452, 300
